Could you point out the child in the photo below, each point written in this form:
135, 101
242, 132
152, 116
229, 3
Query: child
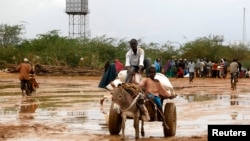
153, 88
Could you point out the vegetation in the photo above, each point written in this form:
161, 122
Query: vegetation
53, 49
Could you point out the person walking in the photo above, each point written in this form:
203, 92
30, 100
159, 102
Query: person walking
234, 68
239, 72
157, 65
214, 69
25, 69
221, 69
167, 68
225, 67
134, 60
202, 66
197, 69
191, 69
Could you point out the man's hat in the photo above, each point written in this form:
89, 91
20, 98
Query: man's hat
25, 60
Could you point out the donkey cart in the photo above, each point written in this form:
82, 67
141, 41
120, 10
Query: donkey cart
166, 115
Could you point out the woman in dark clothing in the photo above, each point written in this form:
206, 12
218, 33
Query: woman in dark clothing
106, 66
109, 75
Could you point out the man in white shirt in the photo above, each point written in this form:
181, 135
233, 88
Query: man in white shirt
191, 69
134, 60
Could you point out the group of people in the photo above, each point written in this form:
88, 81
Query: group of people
136, 63
201, 68
175, 68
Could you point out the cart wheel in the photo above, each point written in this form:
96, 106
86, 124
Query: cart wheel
115, 121
170, 117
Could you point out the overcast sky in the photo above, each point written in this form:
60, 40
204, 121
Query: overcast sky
157, 21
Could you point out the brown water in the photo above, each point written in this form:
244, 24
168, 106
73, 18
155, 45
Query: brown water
74, 103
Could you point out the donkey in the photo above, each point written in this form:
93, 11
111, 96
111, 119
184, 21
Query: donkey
129, 107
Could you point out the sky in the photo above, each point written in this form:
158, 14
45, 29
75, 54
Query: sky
152, 21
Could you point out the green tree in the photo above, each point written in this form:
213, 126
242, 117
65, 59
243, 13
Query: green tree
10, 35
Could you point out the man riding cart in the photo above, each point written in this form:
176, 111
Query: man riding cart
129, 99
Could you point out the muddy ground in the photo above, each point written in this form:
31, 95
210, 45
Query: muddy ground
205, 101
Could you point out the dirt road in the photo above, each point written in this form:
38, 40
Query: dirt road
68, 108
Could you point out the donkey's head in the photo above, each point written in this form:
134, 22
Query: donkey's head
121, 97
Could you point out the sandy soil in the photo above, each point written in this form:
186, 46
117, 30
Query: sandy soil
34, 131
41, 132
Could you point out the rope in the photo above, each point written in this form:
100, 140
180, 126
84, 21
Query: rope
134, 102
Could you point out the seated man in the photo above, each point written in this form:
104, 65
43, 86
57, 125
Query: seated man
153, 88
134, 60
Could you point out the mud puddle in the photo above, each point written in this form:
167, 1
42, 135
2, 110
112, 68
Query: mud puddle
75, 104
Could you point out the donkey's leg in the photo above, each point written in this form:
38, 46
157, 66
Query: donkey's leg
136, 126
124, 117
142, 128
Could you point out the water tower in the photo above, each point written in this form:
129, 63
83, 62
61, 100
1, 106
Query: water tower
78, 23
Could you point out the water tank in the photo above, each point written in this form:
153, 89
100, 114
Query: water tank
77, 7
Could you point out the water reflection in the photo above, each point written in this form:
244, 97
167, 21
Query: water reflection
234, 101
28, 106
201, 97
76, 113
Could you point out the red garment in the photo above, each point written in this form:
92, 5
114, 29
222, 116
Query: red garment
214, 66
180, 72
118, 65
